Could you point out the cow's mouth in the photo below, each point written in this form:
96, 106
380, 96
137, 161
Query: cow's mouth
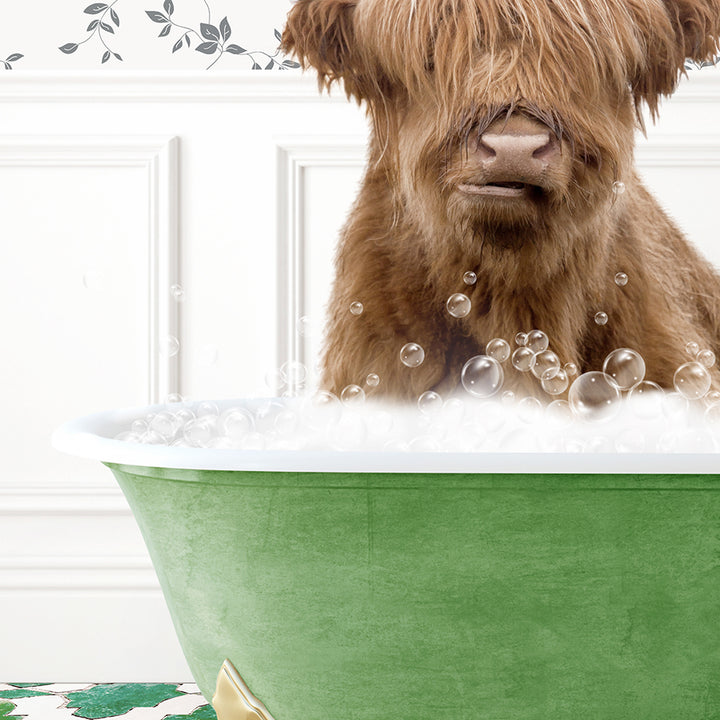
510, 189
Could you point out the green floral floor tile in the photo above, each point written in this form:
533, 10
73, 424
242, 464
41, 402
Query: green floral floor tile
120, 701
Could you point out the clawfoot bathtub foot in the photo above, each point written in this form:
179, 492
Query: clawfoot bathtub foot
233, 700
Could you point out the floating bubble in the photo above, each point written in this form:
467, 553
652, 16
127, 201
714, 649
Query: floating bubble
482, 376
372, 380
621, 279
543, 361
352, 395
646, 398
529, 409
712, 398
199, 432
601, 318
571, 369
618, 187
594, 396
236, 422
165, 424
177, 292
458, 305
293, 372
430, 403
692, 349
322, 409
712, 414
412, 355
174, 398
304, 326
537, 341
521, 338
139, 426
498, 349
692, 380
706, 358
274, 380
522, 359
470, 278
169, 346
508, 397
356, 308
625, 366
559, 413
554, 381
207, 408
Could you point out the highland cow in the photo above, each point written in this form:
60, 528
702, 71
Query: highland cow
502, 144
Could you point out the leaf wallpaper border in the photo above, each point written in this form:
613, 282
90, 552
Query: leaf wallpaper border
208, 38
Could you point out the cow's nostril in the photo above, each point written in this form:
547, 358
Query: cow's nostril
547, 149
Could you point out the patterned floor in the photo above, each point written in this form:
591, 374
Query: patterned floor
130, 701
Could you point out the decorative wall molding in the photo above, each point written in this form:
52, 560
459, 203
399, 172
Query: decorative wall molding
700, 86
157, 156
679, 150
294, 156
16, 501
236, 87
40, 574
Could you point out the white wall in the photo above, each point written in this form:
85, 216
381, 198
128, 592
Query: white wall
115, 185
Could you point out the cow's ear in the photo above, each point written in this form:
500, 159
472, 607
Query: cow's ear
687, 29
321, 34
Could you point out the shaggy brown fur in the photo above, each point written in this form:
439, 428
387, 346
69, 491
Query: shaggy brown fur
438, 76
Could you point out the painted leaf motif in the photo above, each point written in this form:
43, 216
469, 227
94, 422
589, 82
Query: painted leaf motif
117, 56
6, 708
207, 47
225, 29
106, 56
235, 49
256, 66
108, 700
93, 25
107, 28
157, 17
291, 64
204, 712
95, 8
210, 32
269, 66
14, 57
114, 17
169, 7
277, 34
68, 48
165, 31
177, 45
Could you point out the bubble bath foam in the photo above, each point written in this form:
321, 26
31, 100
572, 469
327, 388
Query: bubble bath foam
475, 592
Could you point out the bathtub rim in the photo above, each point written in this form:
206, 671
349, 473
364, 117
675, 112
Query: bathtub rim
92, 437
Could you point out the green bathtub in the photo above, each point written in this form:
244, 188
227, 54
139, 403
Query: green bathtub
587, 588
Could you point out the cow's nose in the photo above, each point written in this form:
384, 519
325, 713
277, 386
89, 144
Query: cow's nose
517, 149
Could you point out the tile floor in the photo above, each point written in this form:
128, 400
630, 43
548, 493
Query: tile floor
130, 701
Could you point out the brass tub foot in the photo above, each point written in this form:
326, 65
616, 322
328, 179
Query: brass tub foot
233, 700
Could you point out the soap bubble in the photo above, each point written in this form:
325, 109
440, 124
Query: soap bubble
139, 426
554, 381
165, 424
537, 341
521, 338
594, 396
412, 355
207, 408
621, 279
322, 409
498, 349
177, 292
692, 349
304, 326
430, 403
287, 422
236, 422
372, 380
559, 413
646, 398
692, 380
601, 318
293, 372
571, 369
169, 346
706, 358
542, 361
482, 376
712, 414
522, 359
356, 308
712, 398
508, 398
153, 438
626, 367
469, 278
199, 432
529, 409
458, 305
618, 187
173, 398
352, 395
